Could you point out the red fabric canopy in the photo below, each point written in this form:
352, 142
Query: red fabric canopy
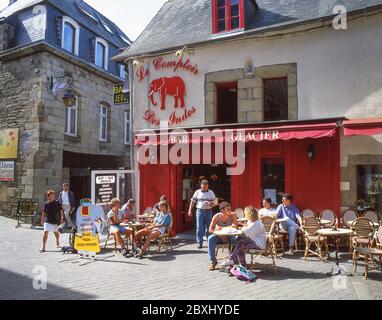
365, 127
256, 134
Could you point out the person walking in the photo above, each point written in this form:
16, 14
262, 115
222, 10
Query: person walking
204, 199
52, 215
66, 199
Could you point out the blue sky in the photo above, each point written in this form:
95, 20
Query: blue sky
132, 16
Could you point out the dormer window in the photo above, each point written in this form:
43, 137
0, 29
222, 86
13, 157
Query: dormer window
227, 15
101, 53
70, 35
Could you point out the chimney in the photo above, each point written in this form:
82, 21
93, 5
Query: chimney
11, 2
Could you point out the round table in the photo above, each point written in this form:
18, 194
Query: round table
375, 224
336, 235
146, 216
242, 220
226, 233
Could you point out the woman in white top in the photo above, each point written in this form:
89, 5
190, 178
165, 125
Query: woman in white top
267, 210
254, 238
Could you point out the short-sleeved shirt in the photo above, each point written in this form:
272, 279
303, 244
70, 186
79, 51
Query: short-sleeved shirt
271, 212
111, 214
203, 199
256, 231
52, 212
128, 214
164, 219
290, 212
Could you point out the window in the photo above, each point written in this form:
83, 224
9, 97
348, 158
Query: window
102, 123
227, 15
275, 99
226, 109
127, 128
70, 35
122, 71
273, 179
369, 188
71, 116
101, 53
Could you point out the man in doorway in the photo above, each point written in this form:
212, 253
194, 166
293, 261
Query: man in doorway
204, 199
66, 199
52, 215
291, 219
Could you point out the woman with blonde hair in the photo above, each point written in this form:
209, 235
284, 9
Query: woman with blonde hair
254, 238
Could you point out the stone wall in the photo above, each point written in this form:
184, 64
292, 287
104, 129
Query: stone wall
27, 103
250, 91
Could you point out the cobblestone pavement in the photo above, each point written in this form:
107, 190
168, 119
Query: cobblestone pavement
182, 274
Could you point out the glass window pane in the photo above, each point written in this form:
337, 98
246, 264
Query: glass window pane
69, 37
221, 3
73, 121
275, 99
233, 2
100, 55
235, 11
221, 13
221, 25
104, 128
67, 120
235, 24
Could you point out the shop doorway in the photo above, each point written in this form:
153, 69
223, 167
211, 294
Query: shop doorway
192, 175
273, 179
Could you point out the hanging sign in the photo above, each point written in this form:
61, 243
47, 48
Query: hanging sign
7, 171
9, 139
120, 95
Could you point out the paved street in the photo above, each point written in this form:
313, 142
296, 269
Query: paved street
182, 274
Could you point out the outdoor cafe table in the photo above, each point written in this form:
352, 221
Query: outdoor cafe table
228, 233
134, 227
336, 235
145, 216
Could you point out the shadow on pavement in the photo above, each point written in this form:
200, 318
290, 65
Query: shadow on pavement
16, 287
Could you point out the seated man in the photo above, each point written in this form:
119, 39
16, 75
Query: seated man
267, 210
129, 213
156, 208
115, 217
223, 219
291, 217
159, 227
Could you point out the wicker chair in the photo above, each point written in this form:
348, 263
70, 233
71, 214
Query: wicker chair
330, 215
112, 235
378, 238
275, 238
371, 215
348, 215
363, 234
310, 227
308, 213
268, 251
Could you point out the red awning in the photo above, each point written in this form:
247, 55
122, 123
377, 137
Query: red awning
256, 134
365, 127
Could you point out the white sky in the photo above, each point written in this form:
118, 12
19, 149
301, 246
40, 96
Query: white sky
132, 16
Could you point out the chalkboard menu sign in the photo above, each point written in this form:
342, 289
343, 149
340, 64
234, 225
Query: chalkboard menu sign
105, 188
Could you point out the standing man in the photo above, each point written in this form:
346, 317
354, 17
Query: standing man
66, 199
204, 199
52, 215
291, 217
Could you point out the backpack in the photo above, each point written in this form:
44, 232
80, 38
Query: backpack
242, 273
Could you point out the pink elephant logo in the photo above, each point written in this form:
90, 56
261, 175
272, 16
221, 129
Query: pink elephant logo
174, 87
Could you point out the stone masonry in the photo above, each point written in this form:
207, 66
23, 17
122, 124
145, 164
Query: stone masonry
27, 103
250, 91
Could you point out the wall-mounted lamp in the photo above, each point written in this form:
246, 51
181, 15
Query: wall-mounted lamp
64, 83
137, 62
184, 51
310, 152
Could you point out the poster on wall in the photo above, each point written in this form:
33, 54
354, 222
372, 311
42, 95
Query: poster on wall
271, 193
120, 95
9, 139
105, 188
7, 171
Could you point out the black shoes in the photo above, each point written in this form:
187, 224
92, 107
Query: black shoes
199, 246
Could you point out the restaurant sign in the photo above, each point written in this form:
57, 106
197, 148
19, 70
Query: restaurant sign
7, 171
162, 89
105, 188
120, 95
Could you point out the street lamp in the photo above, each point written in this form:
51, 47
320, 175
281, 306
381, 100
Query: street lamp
69, 97
64, 82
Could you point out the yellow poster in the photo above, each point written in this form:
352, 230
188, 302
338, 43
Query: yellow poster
9, 139
87, 242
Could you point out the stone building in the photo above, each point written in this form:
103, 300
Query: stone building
46, 48
301, 79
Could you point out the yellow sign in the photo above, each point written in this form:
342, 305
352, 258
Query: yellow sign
87, 242
120, 96
9, 140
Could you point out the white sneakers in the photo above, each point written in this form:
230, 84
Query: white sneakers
227, 263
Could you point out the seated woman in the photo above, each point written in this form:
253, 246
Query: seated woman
159, 227
115, 217
254, 238
156, 208
267, 210
223, 219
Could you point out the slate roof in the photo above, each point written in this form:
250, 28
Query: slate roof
71, 8
181, 22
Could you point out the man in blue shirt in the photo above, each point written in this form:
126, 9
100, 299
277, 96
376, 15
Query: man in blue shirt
291, 217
